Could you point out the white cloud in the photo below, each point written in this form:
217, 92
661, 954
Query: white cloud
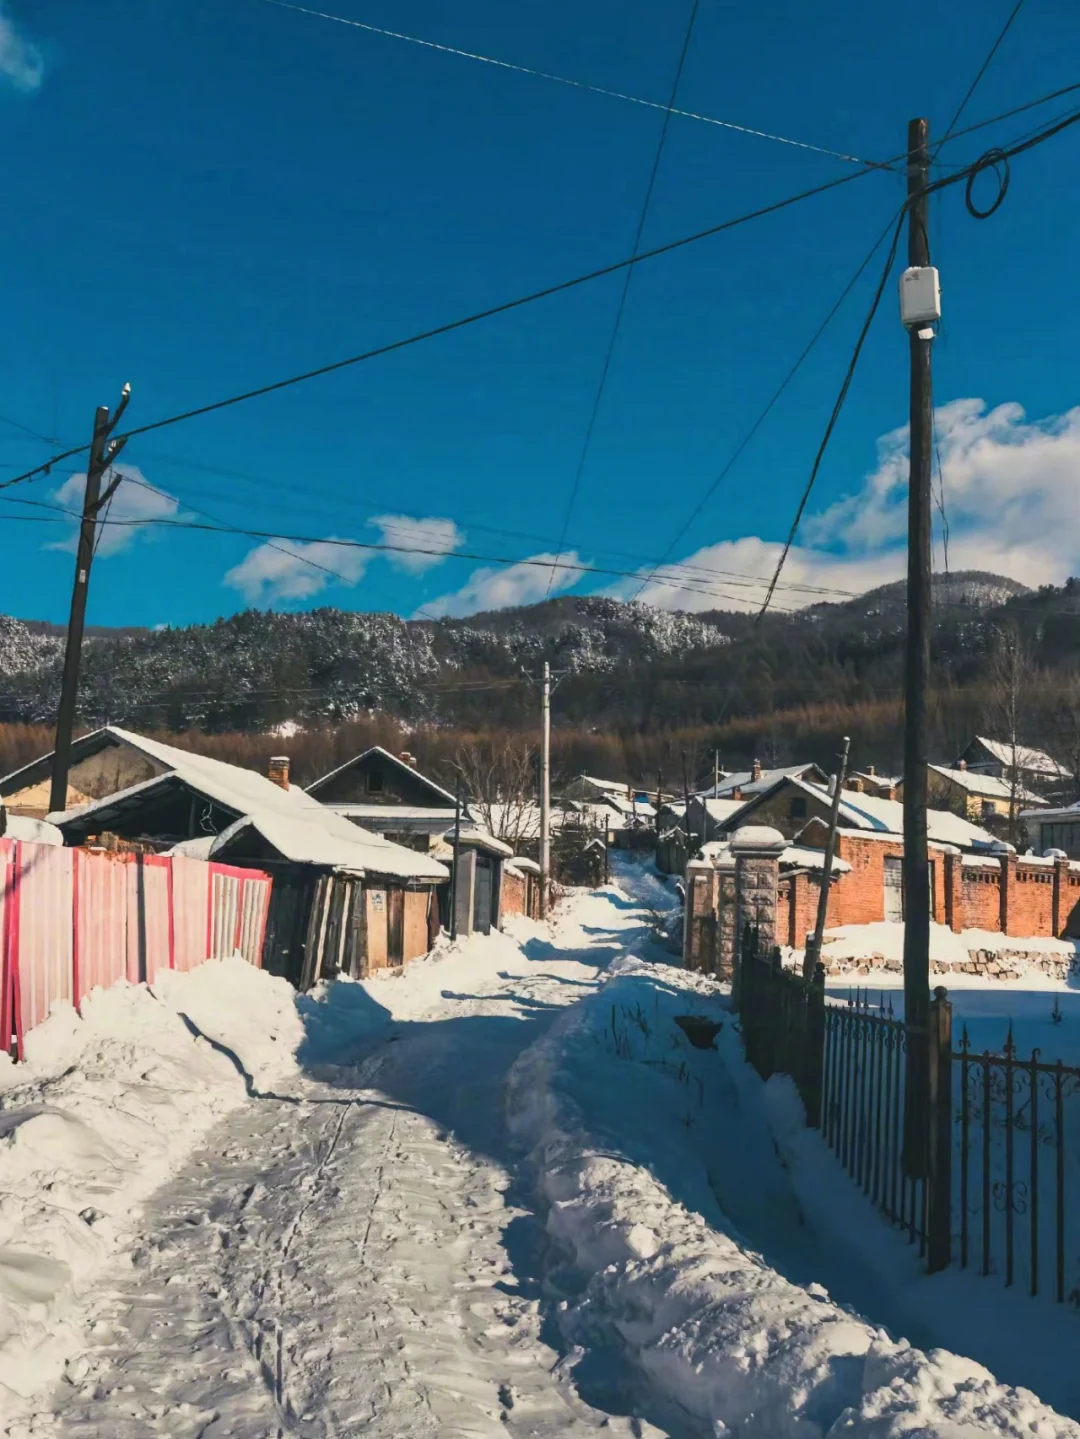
291, 570
437, 538
496, 589
21, 63
133, 502
1012, 497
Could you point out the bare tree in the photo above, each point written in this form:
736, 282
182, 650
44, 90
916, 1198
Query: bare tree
1065, 726
1011, 680
500, 779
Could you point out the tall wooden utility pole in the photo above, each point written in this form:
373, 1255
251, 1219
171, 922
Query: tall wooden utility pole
102, 454
545, 790
916, 867
659, 788
812, 956
457, 858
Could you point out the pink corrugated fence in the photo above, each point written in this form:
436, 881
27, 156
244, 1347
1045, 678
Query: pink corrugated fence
72, 921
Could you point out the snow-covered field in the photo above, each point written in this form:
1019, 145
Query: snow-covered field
497, 1195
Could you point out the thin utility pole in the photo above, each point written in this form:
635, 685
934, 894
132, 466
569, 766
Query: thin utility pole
545, 790
659, 787
916, 867
812, 957
715, 772
457, 856
102, 454
686, 801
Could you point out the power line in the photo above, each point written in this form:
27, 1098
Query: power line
837, 407
535, 562
763, 416
993, 159
628, 275
575, 84
964, 173
451, 325
981, 72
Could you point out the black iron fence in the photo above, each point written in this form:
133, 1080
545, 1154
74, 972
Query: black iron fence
979, 1169
1016, 1169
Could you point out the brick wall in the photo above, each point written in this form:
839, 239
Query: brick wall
980, 898
512, 897
1031, 900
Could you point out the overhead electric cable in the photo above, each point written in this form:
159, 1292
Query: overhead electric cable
628, 275
763, 416
981, 72
966, 173
574, 84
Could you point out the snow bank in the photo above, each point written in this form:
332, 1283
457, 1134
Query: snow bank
605, 1104
883, 942
105, 1107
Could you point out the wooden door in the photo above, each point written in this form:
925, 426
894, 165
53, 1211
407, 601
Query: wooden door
395, 927
894, 888
483, 895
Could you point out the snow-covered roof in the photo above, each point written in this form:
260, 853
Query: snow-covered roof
745, 782
476, 838
198, 848
523, 865
1027, 757
1068, 811
395, 760
303, 840
32, 831
870, 812
986, 785
721, 809
273, 811
385, 816
605, 786
640, 808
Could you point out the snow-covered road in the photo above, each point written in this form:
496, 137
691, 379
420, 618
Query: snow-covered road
496, 1195
348, 1256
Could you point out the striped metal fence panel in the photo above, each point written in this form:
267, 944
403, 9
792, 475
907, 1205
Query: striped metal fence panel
73, 920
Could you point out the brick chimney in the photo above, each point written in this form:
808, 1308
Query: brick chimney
961, 764
871, 771
755, 771
279, 770
407, 758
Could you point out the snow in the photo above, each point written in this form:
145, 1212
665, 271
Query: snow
637, 1141
34, 831
885, 940
497, 1194
314, 842
104, 1109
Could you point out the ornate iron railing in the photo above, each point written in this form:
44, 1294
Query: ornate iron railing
1013, 1160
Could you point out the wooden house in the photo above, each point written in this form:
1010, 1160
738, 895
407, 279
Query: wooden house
387, 794
102, 762
1034, 768
344, 899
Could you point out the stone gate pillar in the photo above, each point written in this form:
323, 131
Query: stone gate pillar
757, 850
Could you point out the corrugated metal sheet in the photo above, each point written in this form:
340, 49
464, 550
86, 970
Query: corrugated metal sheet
101, 884
46, 930
7, 956
72, 921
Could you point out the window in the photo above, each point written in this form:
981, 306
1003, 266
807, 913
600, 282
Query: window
374, 782
797, 808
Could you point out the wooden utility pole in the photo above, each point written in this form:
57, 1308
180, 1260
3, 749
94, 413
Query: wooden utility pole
916, 867
715, 772
812, 957
457, 856
659, 787
686, 801
102, 454
545, 790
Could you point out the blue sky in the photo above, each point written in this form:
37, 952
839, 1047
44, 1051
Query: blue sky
206, 195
